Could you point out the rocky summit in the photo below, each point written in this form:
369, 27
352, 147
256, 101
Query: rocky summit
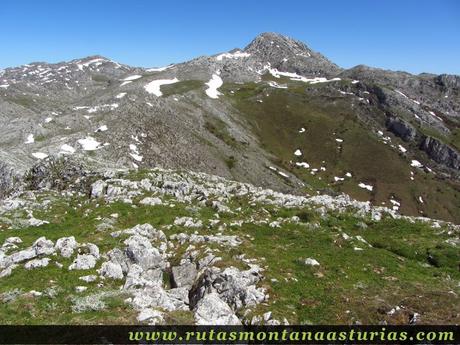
264, 185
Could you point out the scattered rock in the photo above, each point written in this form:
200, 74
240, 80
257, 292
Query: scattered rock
111, 270
311, 262
66, 246
83, 262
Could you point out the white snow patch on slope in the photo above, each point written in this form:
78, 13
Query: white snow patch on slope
154, 86
276, 85
213, 85
235, 55
298, 153
67, 149
136, 157
39, 155
120, 95
135, 154
159, 69
90, 62
401, 94
30, 139
402, 149
132, 77
103, 107
436, 116
89, 144
296, 77
416, 164
103, 128
303, 164
366, 186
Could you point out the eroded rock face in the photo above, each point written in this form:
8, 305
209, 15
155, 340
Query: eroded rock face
55, 172
441, 153
8, 179
401, 128
184, 275
140, 251
237, 288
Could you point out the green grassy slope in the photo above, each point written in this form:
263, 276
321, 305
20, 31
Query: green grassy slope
403, 264
283, 112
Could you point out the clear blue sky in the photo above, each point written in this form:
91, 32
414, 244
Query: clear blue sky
412, 35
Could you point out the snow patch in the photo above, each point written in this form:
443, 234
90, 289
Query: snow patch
30, 139
236, 55
416, 164
159, 69
276, 85
132, 77
103, 128
303, 164
296, 77
67, 149
215, 83
154, 86
89, 144
39, 155
366, 186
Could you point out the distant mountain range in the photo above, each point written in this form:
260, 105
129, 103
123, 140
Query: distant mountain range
275, 114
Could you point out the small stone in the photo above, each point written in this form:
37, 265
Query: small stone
311, 262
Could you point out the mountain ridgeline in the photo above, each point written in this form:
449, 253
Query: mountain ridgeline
260, 186
275, 114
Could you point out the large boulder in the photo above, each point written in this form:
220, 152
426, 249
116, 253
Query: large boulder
212, 310
66, 246
237, 288
111, 270
140, 251
42, 246
83, 262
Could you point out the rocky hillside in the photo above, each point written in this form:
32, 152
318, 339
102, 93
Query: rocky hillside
275, 114
263, 185
161, 246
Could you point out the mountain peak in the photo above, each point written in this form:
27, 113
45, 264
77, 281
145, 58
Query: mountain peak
290, 55
272, 40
